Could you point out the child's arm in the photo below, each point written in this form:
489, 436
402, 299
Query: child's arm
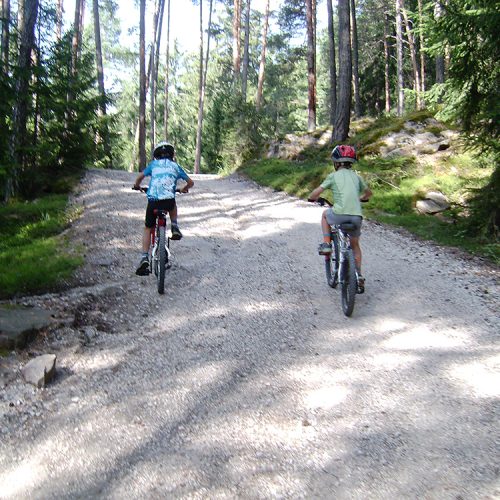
138, 181
315, 194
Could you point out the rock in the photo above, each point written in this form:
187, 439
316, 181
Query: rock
438, 198
40, 370
19, 325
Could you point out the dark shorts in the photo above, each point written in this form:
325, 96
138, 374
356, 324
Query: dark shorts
157, 204
335, 219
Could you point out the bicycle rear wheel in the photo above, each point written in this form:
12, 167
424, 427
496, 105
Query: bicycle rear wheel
349, 283
332, 262
162, 259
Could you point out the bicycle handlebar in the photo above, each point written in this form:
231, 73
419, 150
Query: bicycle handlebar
323, 201
144, 189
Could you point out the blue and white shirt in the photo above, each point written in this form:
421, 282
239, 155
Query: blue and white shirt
164, 176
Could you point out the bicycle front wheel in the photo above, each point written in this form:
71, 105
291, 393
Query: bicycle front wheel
349, 283
332, 262
162, 259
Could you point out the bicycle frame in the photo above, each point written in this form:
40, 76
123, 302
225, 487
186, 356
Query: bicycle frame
160, 221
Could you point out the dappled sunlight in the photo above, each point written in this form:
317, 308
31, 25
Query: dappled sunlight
21, 477
388, 325
423, 337
392, 361
482, 376
101, 360
325, 398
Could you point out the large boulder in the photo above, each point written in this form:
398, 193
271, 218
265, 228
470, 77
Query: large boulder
433, 203
40, 370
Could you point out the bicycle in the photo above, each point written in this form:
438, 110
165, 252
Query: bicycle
160, 255
340, 266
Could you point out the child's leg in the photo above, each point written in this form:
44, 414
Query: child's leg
146, 239
326, 229
173, 215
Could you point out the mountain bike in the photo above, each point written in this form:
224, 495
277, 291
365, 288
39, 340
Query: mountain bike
340, 266
160, 255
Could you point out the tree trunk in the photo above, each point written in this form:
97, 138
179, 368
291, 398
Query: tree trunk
438, 12
355, 60
399, 58
333, 66
5, 16
237, 38
100, 78
202, 85
246, 53
158, 22
59, 19
311, 67
98, 57
167, 73
413, 54
75, 47
387, 55
260, 84
422, 51
23, 96
343, 114
142, 86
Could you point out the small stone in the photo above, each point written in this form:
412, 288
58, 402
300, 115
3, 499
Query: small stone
41, 370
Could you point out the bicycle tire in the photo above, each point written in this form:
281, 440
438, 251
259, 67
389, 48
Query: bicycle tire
162, 259
332, 263
349, 283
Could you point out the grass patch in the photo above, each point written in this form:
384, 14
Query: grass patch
33, 255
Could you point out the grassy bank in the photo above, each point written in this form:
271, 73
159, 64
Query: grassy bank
34, 256
397, 184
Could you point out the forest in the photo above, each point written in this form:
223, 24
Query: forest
74, 96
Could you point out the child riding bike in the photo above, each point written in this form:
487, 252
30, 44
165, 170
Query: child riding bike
164, 173
348, 189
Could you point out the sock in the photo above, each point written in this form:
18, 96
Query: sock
174, 223
327, 238
144, 254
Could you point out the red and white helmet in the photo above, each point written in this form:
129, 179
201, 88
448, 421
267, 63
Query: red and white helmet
343, 153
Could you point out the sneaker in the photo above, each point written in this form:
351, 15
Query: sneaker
143, 268
361, 283
325, 249
176, 233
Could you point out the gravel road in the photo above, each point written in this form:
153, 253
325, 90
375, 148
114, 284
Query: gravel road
245, 380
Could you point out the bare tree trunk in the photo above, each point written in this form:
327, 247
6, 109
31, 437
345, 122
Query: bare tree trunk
59, 19
5, 16
237, 39
260, 84
98, 57
438, 12
343, 114
23, 96
246, 53
167, 73
311, 65
413, 54
100, 78
333, 66
355, 60
387, 83
422, 52
75, 46
399, 58
203, 81
154, 75
142, 86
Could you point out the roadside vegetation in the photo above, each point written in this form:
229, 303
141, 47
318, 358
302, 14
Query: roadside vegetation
35, 256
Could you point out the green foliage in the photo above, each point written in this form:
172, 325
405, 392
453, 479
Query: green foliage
32, 255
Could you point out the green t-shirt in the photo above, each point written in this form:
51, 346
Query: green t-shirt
346, 186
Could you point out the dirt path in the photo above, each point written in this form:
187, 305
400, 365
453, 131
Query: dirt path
245, 380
